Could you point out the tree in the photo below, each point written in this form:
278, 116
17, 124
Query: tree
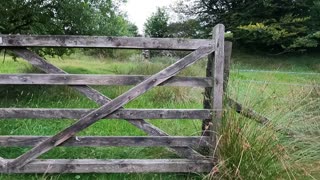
278, 25
190, 28
133, 29
51, 16
157, 24
63, 17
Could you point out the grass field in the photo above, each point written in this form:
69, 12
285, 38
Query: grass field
291, 100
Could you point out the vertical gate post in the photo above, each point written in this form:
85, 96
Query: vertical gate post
217, 104
213, 97
207, 101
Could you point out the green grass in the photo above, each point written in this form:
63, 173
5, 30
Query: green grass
287, 105
289, 62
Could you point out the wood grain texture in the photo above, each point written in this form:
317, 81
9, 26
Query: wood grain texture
39, 113
217, 104
110, 107
113, 166
76, 79
102, 42
218, 72
97, 141
100, 99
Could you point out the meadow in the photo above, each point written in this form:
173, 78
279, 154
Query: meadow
286, 89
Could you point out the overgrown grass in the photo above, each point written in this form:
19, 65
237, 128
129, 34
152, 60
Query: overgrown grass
247, 150
282, 149
289, 62
286, 146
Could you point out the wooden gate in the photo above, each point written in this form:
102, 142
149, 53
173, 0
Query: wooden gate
113, 108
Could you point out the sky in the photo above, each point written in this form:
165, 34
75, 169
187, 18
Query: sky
139, 10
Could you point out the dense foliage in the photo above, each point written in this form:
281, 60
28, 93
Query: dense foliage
277, 25
69, 17
189, 28
157, 24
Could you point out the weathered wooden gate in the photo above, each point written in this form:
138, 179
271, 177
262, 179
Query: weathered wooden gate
193, 162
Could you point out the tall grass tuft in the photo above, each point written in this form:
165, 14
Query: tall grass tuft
247, 150
285, 148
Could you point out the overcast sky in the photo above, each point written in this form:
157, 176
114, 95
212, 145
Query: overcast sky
139, 10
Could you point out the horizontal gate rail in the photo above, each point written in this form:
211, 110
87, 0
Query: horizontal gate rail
114, 141
39, 113
102, 42
76, 79
113, 166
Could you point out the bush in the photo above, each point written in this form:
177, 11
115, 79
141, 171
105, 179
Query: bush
278, 36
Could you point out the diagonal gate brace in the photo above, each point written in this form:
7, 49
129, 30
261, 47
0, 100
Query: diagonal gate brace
101, 99
88, 91
109, 107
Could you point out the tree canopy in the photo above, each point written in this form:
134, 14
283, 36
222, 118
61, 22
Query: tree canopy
157, 24
276, 25
64, 17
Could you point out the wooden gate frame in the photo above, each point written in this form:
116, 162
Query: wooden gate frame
194, 162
